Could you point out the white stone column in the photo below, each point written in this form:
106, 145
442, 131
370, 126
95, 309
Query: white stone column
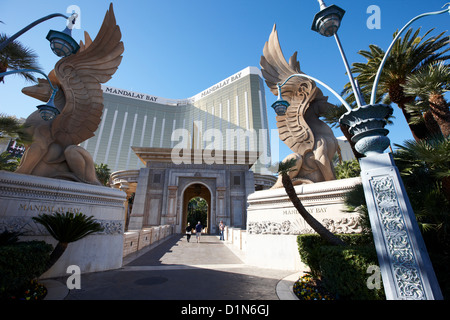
140, 199
220, 202
172, 205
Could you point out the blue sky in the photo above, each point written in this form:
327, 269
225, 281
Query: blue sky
177, 48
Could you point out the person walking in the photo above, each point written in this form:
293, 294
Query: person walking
221, 230
189, 231
198, 231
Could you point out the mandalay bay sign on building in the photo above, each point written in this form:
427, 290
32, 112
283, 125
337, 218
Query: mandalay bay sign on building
230, 115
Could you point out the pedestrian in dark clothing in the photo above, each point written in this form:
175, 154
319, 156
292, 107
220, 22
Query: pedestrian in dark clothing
189, 231
198, 231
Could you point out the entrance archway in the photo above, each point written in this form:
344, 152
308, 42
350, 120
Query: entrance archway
192, 191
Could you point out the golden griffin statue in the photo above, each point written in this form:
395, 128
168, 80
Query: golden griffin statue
311, 140
54, 151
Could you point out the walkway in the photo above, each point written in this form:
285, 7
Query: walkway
181, 270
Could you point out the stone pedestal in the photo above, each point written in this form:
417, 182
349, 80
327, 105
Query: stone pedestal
23, 197
273, 223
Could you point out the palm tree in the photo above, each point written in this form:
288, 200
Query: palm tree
348, 169
16, 56
8, 162
197, 211
11, 127
103, 173
66, 228
284, 168
425, 170
409, 55
429, 85
430, 156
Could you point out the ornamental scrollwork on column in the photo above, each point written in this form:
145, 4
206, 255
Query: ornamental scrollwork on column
405, 268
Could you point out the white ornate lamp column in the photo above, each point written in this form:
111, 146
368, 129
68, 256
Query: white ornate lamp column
406, 268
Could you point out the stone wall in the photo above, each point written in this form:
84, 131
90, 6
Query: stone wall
23, 197
236, 237
273, 223
135, 240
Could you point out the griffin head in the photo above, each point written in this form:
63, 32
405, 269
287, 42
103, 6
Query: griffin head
43, 91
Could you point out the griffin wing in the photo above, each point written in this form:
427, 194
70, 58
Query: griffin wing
80, 76
273, 65
293, 130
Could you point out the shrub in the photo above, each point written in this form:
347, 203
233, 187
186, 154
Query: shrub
9, 237
441, 266
342, 269
309, 246
20, 263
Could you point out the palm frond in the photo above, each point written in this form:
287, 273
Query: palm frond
16, 56
333, 114
68, 227
409, 54
286, 166
8, 162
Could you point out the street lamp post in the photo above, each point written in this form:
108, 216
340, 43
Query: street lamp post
405, 266
327, 22
57, 39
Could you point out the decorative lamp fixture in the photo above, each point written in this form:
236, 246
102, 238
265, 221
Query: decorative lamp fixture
328, 20
280, 106
30, 26
61, 42
48, 111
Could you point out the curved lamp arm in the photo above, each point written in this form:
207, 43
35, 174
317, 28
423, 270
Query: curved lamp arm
377, 77
30, 70
346, 105
31, 25
48, 111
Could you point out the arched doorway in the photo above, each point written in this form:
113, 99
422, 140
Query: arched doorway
196, 190
197, 210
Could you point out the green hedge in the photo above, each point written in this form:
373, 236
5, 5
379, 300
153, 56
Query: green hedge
342, 269
20, 263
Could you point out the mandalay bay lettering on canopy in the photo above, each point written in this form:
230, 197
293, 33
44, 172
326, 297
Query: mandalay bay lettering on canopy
130, 94
221, 84
146, 97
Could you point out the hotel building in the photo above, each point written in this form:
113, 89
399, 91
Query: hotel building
230, 115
